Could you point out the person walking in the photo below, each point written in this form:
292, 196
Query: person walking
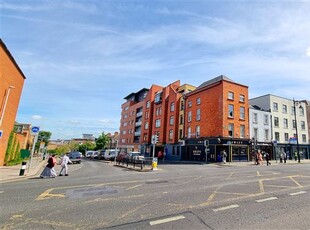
49, 170
267, 157
224, 156
64, 164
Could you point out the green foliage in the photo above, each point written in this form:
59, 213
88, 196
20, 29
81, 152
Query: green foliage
9, 147
62, 149
87, 146
12, 154
102, 141
16, 161
43, 136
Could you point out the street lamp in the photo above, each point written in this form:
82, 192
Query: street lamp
5, 102
296, 103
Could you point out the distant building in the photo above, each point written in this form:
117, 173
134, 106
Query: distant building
12, 82
283, 124
185, 118
88, 137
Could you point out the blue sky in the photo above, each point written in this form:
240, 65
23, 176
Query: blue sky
81, 58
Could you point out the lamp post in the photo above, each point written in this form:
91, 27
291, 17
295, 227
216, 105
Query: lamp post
5, 102
296, 103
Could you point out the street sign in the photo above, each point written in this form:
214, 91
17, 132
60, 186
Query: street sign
35, 130
1, 133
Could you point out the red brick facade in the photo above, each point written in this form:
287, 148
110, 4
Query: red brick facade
11, 85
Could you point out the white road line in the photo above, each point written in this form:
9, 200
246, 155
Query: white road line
297, 193
267, 199
226, 207
162, 221
1, 191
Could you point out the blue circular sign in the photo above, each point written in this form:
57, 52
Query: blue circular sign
35, 129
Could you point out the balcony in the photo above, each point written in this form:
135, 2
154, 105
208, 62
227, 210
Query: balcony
139, 123
138, 133
139, 114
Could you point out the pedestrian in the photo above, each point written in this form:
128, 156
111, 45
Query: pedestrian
49, 170
260, 158
295, 155
256, 158
285, 156
64, 164
224, 155
267, 157
281, 157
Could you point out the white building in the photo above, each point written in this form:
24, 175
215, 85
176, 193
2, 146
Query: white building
283, 122
259, 124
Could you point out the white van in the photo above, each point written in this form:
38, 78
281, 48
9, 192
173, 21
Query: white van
110, 154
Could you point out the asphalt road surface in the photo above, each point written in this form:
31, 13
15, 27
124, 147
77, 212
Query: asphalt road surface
98, 195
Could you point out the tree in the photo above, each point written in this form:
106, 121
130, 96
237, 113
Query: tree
101, 141
87, 146
43, 136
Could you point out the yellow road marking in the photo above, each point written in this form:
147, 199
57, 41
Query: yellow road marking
261, 186
133, 187
296, 182
257, 173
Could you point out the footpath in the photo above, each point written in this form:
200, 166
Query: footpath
11, 173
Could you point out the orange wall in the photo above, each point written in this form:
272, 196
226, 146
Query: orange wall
9, 76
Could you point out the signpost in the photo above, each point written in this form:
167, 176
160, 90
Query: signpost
34, 131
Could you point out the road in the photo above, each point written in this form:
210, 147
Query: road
98, 195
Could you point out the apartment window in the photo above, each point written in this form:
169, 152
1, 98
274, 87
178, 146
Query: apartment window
198, 115
241, 98
181, 133
189, 104
284, 108
285, 123
189, 132
255, 133
171, 120
266, 119
198, 101
182, 105
304, 138
189, 118
266, 134
126, 108
275, 106
123, 141
124, 132
286, 137
170, 134
181, 119
148, 104
276, 121
124, 124
301, 111
158, 97
230, 110
303, 125
255, 118
242, 131
157, 123
172, 107
277, 136
230, 130
231, 95
242, 113
294, 124
197, 131
146, 126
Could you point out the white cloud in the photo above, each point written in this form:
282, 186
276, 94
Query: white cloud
308, 52
36, 117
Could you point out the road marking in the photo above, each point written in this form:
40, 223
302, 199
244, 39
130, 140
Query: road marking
162, 221
297, 193
1, 191
226, 208
261, 186
267, 199
257, 173
136, 186
295, 181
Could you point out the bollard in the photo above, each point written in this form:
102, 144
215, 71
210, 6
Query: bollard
23, 168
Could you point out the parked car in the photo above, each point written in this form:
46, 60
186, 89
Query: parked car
75, 157
89, 153
129, 157
101, 154
110, 154
94, 155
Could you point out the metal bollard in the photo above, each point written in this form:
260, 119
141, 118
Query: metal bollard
23, 168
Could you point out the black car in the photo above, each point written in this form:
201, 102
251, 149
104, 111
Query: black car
75, 157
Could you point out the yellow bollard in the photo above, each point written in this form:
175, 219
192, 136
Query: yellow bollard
154, 163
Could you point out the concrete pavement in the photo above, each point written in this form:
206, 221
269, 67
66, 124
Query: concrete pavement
8, 173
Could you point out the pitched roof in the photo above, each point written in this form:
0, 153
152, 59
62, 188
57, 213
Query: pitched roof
214, 80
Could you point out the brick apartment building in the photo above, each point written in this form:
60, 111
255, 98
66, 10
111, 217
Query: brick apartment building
11, 85
183, 117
